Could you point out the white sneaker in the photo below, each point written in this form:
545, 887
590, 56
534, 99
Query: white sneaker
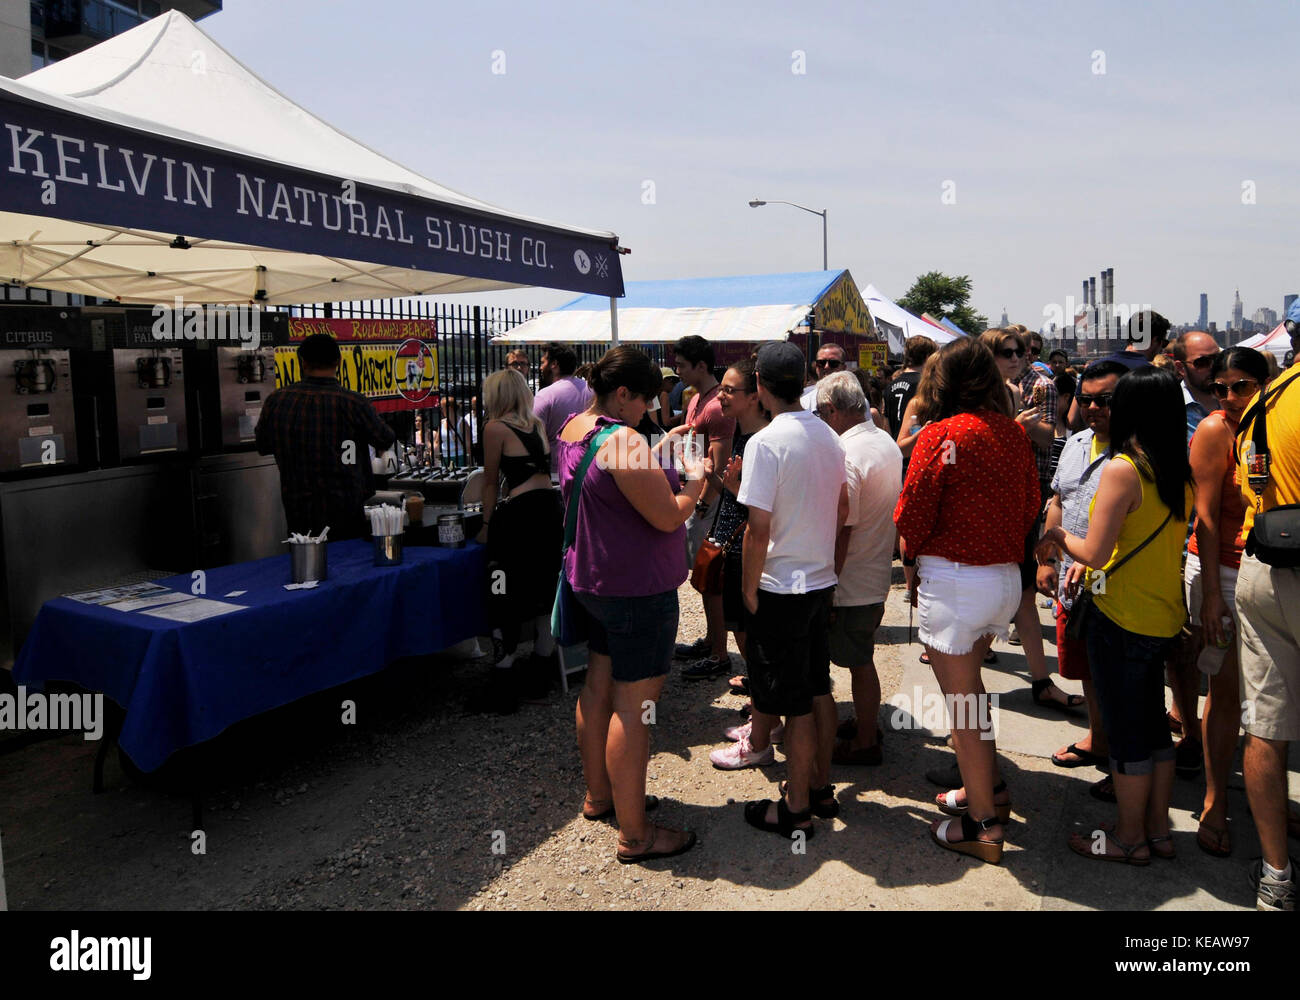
740, 755
1273, 894
736, 732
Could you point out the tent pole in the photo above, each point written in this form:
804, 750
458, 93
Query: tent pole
613, 321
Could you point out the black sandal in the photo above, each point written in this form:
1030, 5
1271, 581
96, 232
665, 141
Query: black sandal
742, 687
651, 804
1072, 701
785, 825
820, 808
1086, 757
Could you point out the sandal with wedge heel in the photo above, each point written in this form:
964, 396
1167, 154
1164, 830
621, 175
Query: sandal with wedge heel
988, 851
947, 803
786, 821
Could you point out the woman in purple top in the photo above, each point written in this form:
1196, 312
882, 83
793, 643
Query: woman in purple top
627, 561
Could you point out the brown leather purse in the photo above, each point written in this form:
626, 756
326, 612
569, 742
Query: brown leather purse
706, 574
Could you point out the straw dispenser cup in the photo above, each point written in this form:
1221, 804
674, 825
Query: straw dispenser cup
307, 557
386, 523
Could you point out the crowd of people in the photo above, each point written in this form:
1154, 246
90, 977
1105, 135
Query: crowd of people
1153, 505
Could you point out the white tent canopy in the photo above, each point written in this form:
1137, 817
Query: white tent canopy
655, 326
898, 324
742, 308
1277, 342
155, 164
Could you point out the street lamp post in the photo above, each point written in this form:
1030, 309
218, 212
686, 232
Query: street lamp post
758, 203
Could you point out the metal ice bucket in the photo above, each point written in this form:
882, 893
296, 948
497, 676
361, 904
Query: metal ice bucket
308, 560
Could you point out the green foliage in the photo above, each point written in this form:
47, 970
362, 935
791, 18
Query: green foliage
942, 295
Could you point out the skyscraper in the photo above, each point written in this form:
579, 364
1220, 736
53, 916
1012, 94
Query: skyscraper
1204, 318
51, 30
1237, 309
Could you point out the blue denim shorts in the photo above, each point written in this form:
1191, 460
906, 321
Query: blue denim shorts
636, 633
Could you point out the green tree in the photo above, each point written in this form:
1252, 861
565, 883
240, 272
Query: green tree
942, 295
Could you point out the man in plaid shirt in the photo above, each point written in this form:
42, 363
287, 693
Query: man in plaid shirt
1038, 418
318, 432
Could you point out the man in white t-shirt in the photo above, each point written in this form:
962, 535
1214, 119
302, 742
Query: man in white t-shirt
794, 487
864, 556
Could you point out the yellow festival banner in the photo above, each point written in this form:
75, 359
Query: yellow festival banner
873, 357
394, 376
841, 310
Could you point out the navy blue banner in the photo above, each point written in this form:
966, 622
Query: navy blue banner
67, 166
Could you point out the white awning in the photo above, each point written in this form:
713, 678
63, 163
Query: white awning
660, 326
155, 164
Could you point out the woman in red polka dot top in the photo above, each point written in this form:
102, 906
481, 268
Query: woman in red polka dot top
970, 497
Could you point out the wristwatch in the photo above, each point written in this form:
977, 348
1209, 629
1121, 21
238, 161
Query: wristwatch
701, 507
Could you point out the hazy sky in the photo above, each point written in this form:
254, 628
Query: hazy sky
1056, 170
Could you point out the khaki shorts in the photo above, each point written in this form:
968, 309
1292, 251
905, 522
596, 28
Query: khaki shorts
1268, 616
853, 634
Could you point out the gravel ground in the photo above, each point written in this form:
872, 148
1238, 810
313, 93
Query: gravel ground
420, 806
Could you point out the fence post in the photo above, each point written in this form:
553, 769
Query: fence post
478, 379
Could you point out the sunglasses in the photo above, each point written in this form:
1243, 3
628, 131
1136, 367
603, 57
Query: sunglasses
1242, 387
726, 390
518, 364
1102, 400
827, 363
1204, 361
1011, 352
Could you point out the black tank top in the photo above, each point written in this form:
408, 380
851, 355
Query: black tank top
518, 469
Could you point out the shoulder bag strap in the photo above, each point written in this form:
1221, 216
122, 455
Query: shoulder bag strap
575, 493
1259, 474
1150, 538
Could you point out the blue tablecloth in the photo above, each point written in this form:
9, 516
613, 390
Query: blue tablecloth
183, 683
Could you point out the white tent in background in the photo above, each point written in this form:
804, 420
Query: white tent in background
155, 164
1277, 342
897, 324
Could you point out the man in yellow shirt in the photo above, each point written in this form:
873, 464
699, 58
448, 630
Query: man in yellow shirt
1268, 612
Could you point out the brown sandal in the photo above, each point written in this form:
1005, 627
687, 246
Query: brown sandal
1082, 846
1216, 843
649, 853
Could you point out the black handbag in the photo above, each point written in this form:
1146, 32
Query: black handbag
1274, 538
1075, 621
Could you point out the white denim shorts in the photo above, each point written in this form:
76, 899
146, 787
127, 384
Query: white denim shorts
957, 604
1192, 587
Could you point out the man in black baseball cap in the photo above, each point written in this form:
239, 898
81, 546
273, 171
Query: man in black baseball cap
793, 482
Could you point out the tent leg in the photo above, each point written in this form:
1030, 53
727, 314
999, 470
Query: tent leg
613, 321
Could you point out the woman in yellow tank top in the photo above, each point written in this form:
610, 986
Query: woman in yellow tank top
1144, 493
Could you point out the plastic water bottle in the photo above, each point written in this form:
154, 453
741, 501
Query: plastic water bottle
1210, 662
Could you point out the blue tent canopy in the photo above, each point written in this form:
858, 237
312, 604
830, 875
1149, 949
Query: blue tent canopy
803, 288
